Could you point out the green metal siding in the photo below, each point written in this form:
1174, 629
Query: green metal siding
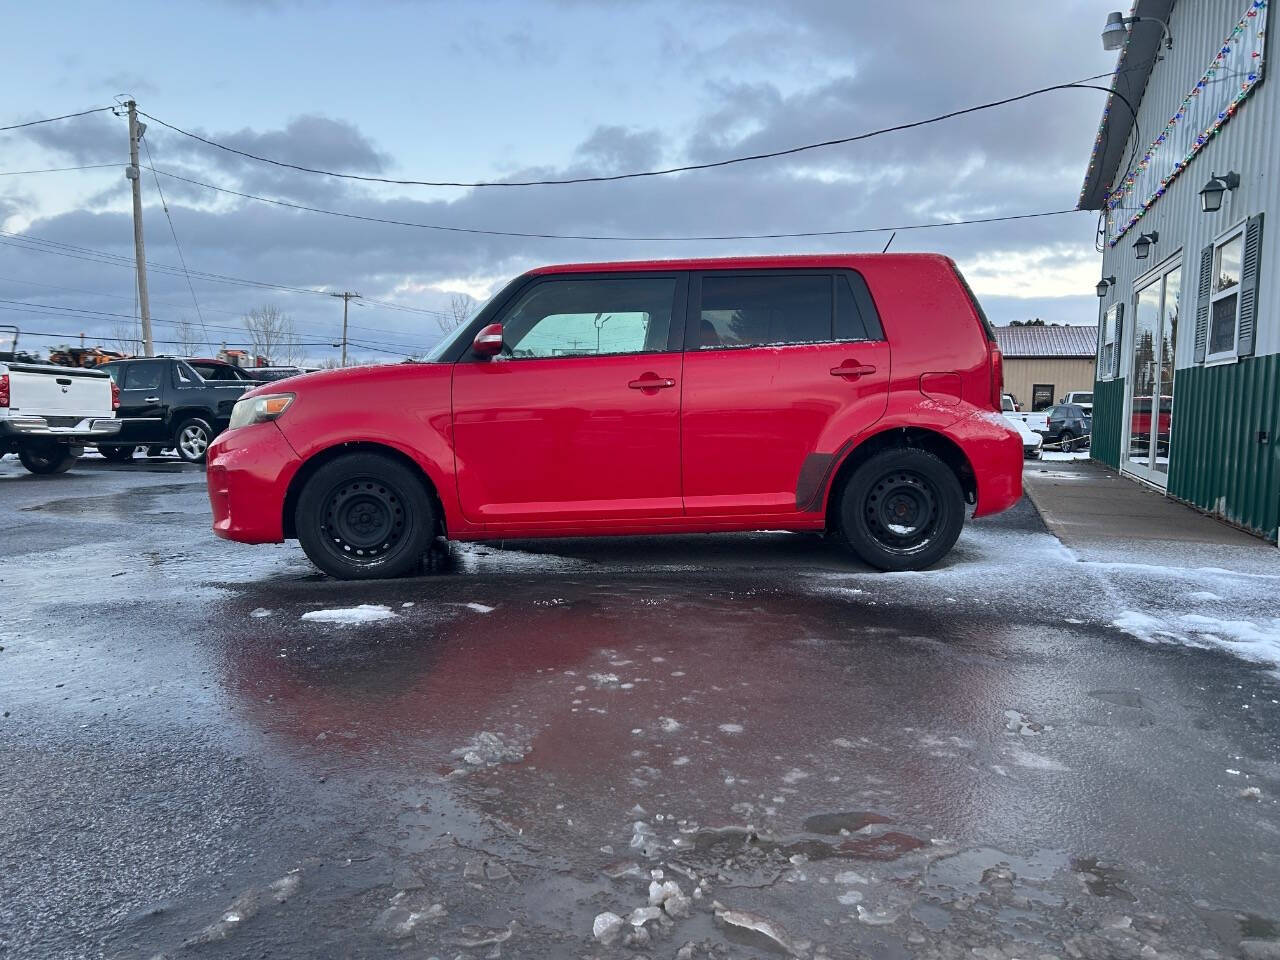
1108, 421
1216, 462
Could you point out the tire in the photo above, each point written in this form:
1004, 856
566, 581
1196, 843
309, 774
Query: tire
116, 454
47, 459
192, 439
1068, 441
916, 489
365, 516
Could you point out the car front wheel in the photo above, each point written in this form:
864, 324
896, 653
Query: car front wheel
902, 509
365, 516
192, 438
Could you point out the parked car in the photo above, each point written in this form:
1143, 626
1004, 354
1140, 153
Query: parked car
1069, 426
271, 374
164, 402
1081, 398
218, 371
1032, 442
49, 413
642, 398
1034, 421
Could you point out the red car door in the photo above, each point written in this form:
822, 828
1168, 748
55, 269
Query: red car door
782, 368
579, 417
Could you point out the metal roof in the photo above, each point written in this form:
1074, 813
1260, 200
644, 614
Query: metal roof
1133, 70
1047, 342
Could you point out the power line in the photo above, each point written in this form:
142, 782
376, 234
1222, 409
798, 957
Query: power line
609, 237
26, 241
89, 166
177, 246
44, 334
608, 178
65, 116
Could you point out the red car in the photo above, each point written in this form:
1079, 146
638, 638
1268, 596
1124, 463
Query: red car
857, 393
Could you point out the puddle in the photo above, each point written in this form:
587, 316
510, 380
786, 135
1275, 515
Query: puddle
833, 823
1232, 926
1122, 698
1102, 879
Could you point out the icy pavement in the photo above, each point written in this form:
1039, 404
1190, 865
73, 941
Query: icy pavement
687, 748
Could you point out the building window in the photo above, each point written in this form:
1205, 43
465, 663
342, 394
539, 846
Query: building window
1041, 396
1224, 310
1107, 360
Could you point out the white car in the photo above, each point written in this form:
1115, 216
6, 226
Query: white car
1033, 421
1031, 441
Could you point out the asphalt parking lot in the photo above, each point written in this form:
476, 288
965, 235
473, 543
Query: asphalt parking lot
209, 749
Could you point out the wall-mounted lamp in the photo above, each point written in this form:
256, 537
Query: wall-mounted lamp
1142, 246
1211, 195
1105, 285
1116, 30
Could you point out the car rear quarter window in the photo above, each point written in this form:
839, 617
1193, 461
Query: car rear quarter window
856, 315
764, 309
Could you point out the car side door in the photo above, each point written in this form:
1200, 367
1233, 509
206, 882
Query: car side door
578, 419
783, 368
142, 391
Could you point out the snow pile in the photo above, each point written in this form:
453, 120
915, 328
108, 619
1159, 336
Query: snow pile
351, 616
489, 749
1257, 641
480, 608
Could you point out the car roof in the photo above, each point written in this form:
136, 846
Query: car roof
852, 261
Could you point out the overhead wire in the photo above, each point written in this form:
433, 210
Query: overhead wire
614, 177
65, 116
87, 166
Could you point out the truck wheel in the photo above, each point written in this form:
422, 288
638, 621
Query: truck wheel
902, 510
116, 454
192, 438
46, 459
364, 516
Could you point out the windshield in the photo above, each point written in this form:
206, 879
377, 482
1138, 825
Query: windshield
445, 344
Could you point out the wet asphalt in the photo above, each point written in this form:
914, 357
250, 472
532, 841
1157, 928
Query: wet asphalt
826, 761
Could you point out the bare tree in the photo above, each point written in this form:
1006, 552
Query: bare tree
127, 337
272, 335
188, 337
461, 309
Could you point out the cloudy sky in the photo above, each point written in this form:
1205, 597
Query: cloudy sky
506, 91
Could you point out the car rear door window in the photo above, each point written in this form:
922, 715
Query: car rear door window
142, 376
764, 309
590, 317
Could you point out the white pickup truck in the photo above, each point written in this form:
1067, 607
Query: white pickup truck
49, 413
1039, 422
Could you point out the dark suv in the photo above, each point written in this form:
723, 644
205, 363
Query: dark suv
165, 403
1069, 425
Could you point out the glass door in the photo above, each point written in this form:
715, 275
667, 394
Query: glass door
1150, 381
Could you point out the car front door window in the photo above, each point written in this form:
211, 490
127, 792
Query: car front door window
569, 318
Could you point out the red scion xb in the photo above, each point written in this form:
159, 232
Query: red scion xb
858, 394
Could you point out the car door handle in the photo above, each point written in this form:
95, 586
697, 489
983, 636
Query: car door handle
853, 370
651, 382
150, 399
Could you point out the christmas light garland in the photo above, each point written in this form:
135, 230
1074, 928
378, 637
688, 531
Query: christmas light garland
1253, 21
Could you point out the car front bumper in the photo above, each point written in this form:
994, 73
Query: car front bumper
86, 430
248, 474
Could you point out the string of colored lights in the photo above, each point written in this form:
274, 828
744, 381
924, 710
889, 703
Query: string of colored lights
1127, 185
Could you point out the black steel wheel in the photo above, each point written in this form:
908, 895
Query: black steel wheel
365, 515
902, 509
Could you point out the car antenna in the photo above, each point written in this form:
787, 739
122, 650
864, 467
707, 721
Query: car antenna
889, 241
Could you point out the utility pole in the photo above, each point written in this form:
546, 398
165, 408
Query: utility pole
347, 297
136, 130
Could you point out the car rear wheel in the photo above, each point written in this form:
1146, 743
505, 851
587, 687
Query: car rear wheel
902, 510
117, 454
47, 459
1068, 441
192, 438
365, 516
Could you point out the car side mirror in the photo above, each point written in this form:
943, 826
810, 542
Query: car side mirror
488, 342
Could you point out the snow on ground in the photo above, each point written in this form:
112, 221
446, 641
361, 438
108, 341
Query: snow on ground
1059, 455
1258, 641
350, 616
480, 608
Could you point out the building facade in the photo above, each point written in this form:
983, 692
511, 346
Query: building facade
1187, 396
1043, 364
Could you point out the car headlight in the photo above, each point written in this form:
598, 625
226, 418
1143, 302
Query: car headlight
250, 410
